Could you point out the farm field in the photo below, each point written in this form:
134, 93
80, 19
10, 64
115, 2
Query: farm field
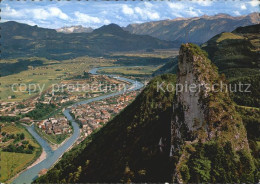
43, 76
12, 163
140, 71
155, 53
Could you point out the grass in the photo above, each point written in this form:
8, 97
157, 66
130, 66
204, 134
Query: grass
225, 36
158, 53
13, 163
258, 144
131, 71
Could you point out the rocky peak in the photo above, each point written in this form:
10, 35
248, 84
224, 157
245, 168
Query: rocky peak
202, 113
75, 29
110, 29
190, 113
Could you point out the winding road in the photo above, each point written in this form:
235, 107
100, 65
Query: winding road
52, 157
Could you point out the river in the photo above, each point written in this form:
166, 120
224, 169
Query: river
52, 156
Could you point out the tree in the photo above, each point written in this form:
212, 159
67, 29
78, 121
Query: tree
30, 147
77, 174
22, 136
54, 176
201, 168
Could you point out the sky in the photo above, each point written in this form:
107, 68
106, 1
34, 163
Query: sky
56, 14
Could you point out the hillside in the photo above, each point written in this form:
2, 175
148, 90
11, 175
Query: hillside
236, 49
21, 40
195, 30
236, 54
170, 67
156, 139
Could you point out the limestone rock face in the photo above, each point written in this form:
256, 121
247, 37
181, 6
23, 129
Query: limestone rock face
189, 111
202, 111
188, 93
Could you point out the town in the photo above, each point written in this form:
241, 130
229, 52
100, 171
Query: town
45, 110
94, 115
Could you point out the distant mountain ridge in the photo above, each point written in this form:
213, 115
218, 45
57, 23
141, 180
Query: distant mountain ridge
195, 30
22, 40
75, 29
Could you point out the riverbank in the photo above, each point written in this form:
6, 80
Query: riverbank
39, 160
56, 146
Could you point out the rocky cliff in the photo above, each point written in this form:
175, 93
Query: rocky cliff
203, 114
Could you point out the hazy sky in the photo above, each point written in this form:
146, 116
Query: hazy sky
55, 14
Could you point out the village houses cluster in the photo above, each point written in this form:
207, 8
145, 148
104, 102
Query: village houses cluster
15, 108
55, 126
95, 114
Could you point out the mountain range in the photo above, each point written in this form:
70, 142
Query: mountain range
21, 40
195, 30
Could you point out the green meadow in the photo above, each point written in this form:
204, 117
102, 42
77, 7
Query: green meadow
140, 71
12, 163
